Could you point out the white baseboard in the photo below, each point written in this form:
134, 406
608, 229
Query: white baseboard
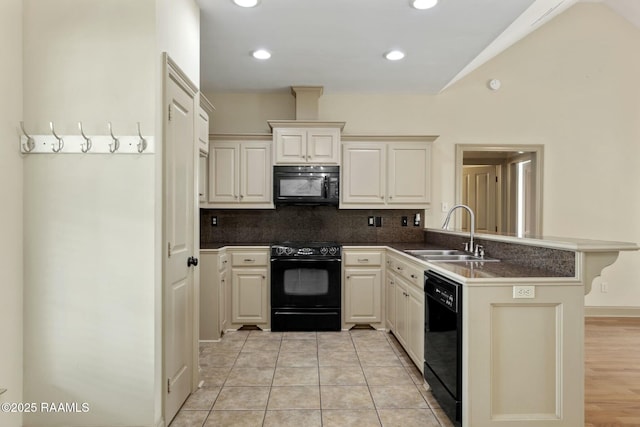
595, 311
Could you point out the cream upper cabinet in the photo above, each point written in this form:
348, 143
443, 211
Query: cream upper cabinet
299, 142
409, 169
363, 174
379, 174
203, 118
240, 175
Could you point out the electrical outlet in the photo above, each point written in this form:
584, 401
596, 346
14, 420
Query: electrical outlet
370, 221
604, 287
214, 221
444, 206
405, 221
524, 291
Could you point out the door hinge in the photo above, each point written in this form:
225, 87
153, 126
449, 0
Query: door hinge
168, 249
169, 118
168, 385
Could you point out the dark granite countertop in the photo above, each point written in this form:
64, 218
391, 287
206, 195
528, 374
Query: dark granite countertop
467, 270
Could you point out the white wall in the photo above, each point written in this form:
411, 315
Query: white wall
90, 286
572, 85
11, 212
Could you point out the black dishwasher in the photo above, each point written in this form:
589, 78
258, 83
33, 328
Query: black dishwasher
443, 342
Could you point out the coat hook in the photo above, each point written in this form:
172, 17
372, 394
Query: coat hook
86, 146
113, 147
142, 145
60, 140
30, 141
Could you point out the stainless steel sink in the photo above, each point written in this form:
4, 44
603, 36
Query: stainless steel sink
434, 252
448, 255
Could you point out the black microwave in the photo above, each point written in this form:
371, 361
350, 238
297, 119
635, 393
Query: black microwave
306, 185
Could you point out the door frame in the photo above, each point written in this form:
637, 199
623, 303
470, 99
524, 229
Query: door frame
537, 149
171, 71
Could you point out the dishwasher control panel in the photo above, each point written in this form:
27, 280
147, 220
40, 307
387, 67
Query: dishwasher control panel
442, 290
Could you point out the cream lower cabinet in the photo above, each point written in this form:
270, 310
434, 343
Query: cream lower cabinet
212, 299
390, 302
223, 292
249, 288
404, 282
363, 291
385, 174
240, 175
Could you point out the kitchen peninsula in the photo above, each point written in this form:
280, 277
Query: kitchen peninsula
523, 317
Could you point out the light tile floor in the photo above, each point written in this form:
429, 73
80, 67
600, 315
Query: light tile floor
358, 378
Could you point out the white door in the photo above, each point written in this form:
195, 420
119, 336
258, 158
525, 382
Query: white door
479, 193
178, 278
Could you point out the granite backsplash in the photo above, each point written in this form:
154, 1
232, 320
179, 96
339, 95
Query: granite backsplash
308, 223
559, 262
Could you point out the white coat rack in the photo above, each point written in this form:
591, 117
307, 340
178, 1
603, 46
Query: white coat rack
85, 144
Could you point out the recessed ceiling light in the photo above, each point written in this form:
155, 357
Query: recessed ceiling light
246, 3
423, 4
261, 54
394, 55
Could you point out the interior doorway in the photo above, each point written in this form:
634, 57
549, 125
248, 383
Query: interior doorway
503, 186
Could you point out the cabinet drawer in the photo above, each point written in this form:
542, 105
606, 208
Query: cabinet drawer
408, 272
249, 259
223, 262
362, 258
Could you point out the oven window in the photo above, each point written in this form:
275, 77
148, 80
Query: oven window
302, 187
306, 282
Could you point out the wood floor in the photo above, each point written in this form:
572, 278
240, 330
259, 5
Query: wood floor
612, 372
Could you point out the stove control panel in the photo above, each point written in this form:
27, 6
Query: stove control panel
306, 250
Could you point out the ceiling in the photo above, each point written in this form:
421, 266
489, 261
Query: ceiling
340, 44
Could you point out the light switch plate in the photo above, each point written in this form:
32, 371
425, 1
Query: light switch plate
524, 291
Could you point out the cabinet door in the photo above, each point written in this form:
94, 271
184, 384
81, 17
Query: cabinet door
224, 161
401, 312
363, 173
408, 174
203, 131
249, 295
203, 179
362, 295
256, 175
209, 289
290, 146
223, 292
323, 146
390, 302
415, 326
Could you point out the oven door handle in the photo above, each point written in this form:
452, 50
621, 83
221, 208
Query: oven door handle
325, 187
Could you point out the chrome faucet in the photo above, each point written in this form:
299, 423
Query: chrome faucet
470, 247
